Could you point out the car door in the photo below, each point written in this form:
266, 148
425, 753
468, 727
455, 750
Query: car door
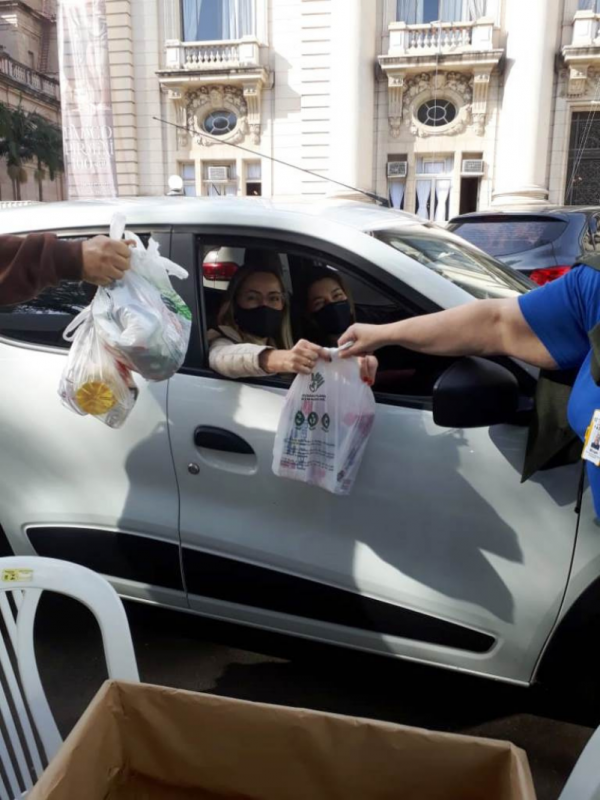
72, 488
439, 554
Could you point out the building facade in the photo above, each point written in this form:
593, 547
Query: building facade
29, 78
444, 106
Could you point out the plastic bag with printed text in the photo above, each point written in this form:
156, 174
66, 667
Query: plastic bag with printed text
325, 426
141, 318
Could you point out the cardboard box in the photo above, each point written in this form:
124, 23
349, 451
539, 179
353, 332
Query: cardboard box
140, 742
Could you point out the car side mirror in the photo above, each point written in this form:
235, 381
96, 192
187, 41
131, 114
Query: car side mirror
475, 393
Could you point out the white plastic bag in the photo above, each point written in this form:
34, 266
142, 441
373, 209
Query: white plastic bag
93, 381
141, 318
325, 426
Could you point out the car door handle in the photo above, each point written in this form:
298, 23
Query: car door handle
219, 439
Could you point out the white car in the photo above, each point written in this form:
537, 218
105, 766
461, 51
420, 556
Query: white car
439, 555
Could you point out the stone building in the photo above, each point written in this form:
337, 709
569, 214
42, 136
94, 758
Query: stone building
29, 77
442, 105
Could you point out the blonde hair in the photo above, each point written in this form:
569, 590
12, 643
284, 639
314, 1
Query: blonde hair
226, 317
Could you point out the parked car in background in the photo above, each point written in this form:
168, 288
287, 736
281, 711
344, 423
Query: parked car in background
543, 242
220, 265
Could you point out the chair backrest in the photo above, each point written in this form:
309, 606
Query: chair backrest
29, 737
584, 781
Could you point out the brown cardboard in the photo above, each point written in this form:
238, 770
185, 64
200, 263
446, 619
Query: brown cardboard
140, 742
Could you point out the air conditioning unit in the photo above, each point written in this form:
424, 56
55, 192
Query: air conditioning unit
397, 169
218, 174
473, 166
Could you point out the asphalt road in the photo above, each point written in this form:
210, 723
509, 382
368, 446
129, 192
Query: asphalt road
188, 652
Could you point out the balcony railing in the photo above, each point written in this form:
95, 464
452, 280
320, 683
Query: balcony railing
29, 78
211, 56
444, 37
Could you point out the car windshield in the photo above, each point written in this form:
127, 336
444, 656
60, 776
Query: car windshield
505, 235
473, 271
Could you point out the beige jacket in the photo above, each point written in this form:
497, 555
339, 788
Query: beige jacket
233, 357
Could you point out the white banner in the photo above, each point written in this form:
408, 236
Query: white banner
88, 131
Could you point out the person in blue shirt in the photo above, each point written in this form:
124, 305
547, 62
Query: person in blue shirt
547, 328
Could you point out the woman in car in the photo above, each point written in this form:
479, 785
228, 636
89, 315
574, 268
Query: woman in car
329, 308
253, 336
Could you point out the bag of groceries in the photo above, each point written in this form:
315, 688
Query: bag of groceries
93, 381
141, 318
325, 426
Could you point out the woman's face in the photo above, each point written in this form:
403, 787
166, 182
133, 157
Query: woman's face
324, 292
261, 289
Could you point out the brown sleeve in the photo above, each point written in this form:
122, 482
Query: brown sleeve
30, 264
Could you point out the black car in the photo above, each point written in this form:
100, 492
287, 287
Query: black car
543, 242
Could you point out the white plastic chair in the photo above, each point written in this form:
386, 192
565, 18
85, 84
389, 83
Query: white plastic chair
29, 737
584, 781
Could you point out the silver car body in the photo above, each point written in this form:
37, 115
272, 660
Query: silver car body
439, 555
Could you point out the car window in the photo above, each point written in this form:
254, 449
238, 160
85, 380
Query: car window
220, 262
403, 377
468, 268
44, 319
506, 235
402, 373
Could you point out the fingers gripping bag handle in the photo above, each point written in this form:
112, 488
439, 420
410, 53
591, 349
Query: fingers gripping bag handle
141, 318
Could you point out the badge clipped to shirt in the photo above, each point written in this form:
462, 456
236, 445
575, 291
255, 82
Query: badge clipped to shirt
591, 445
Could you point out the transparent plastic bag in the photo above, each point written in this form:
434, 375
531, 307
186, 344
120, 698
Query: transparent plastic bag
93, 381
141, 318
325, 426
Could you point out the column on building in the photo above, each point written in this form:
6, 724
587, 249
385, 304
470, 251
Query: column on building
353, 55
521, 167
121, 61
315, 100
148, 47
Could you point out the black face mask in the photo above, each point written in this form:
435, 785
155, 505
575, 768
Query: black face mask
263, 321
334, 318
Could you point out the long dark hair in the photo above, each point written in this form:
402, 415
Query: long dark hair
315, 274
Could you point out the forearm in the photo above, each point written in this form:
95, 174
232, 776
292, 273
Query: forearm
236, 360
472, 329
481, 328
30, 264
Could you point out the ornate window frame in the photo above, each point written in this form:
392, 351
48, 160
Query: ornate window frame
458, 124
201, 102
457, 87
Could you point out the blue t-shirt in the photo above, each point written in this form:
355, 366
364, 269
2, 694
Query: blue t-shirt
560, 314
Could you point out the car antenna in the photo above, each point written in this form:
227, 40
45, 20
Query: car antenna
382, 201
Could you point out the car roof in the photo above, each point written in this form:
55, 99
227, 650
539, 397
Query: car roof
529, 210
242, 211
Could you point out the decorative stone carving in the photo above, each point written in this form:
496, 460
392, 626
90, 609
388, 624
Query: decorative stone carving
200, 102
395, 97
578, 80
481, 84
581, 81
178, 99
252, 95
479, 124
454, 86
